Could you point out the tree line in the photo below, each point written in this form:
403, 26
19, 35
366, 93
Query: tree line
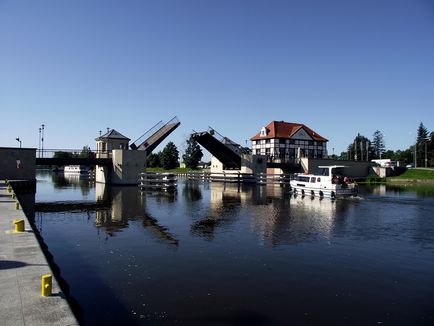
364, 149
168, 158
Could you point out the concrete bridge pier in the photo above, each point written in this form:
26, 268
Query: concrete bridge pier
125, 169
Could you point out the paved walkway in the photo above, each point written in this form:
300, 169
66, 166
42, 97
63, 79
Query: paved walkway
22, 264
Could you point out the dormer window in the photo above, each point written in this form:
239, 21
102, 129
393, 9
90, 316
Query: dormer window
263, 132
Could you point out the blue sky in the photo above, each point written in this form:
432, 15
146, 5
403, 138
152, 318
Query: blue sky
341, 67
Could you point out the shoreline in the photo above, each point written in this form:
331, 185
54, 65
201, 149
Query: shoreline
411, 181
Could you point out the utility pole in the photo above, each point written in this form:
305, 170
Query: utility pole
426, 153
367, 151
355, 150
361, 150
415, 161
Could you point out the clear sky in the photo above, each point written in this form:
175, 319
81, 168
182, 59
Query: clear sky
341, 67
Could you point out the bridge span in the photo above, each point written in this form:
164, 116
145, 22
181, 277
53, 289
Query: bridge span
62, 161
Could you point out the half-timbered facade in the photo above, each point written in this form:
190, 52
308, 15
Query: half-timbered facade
284, 142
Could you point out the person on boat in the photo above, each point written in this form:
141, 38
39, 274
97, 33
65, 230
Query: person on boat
346, 180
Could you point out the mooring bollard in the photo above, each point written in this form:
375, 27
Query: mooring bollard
47, 282
19, 225
17, 205
9, 188
14, 196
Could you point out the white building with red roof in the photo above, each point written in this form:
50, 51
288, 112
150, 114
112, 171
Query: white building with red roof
283, 142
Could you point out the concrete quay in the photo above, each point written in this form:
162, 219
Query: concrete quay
22, 263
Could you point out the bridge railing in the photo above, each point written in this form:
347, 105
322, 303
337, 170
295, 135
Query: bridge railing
51, 153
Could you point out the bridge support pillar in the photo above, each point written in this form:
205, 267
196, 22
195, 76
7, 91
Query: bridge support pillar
125, 169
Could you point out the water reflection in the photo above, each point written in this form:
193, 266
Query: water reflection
324, 259
125, 206
293, 219
191, 192
76, 180
225, 203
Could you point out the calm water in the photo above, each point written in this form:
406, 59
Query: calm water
219, 255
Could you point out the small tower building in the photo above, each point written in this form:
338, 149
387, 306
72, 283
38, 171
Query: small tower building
126, 164
109, 141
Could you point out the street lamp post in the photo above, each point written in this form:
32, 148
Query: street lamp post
18, 140
426, 153
39, 146
42, 140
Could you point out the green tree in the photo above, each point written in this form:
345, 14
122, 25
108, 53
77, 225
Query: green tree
343, 156
422, 137
406, 156
170, 156
390, 155
61, 154
378, 147
360, 149
154, 160
86, 152
193, 154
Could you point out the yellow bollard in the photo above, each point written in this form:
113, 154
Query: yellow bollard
9, 189
17, 205
47, 282
14, 196
19, 225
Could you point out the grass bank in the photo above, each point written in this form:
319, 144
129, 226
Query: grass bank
414, 175
417, 174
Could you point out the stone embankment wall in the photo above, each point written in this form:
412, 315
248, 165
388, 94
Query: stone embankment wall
17, 163
356, 169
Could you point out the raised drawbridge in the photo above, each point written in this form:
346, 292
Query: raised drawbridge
225, 150
154, 136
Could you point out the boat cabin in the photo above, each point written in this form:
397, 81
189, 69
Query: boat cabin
330, 181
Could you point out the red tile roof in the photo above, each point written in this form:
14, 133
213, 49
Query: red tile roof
281, 129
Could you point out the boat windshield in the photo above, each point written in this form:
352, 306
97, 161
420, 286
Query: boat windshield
338, 171
324, 171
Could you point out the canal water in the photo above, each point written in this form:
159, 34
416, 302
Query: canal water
216, 254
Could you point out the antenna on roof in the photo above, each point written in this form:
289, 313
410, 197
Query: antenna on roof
108, 129
100, 132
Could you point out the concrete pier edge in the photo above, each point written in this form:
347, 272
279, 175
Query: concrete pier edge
22, 264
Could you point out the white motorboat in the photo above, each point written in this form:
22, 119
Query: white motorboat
76, 169
331, 182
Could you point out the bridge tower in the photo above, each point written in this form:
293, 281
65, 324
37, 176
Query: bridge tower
126, 164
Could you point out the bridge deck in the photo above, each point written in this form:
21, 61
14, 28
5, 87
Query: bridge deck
73, 161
